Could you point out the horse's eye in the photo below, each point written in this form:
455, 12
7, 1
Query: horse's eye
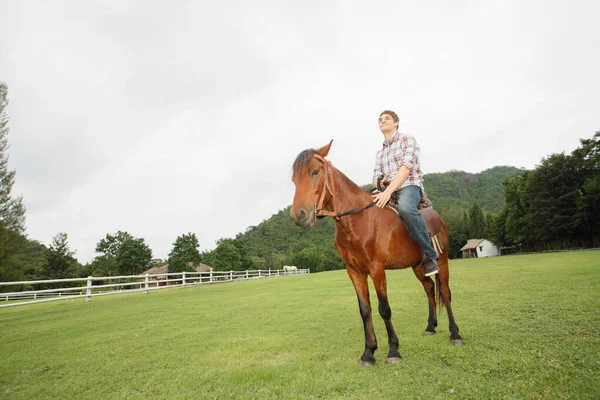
315, 172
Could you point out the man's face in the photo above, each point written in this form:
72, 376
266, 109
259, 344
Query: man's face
386, 123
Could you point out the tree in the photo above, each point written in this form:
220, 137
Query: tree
556, 205
122, 254
59, 259
184, 254
310, 257
476, 222
497, 230
156, 262
12, 211
514, 209
227, 256
134, 256
587, 157
110, 245
550, 194
104, 265
489, 226
457, 230
107, 263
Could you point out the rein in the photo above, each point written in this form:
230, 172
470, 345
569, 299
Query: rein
330, 187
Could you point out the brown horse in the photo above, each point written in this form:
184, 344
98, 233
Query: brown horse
369, 240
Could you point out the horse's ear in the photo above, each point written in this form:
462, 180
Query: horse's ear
323, 151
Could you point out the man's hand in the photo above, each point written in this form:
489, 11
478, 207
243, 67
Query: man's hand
382, 198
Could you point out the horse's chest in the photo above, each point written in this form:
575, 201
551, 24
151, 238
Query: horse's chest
355, 249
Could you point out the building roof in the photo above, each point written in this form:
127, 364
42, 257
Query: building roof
202, 268
163, 269
472, 244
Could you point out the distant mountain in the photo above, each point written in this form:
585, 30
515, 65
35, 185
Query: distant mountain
277, 241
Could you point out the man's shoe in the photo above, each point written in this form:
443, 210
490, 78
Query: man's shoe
430, 267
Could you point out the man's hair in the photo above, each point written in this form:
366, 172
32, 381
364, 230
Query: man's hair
391, 114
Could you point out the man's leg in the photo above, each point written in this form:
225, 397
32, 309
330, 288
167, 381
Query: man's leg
408, 200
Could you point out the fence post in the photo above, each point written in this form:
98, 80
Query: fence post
146, 284
88, 291
269, 271
231, 275
210, 280
259, 273
247, 275
183, 278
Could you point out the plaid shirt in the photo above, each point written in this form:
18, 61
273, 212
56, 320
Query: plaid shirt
402, 149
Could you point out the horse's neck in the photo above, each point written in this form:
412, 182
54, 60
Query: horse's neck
348, 194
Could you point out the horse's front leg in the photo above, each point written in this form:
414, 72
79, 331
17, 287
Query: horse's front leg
380, 283
359, 280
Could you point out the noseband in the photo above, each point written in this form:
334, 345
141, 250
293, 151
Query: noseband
330, 187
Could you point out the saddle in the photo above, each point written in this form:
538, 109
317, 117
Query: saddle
433, 220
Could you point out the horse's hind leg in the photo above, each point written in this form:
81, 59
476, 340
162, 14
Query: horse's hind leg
429, 287
443, 279
359, 280
380, 283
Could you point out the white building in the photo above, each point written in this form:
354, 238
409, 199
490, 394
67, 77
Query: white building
476, 248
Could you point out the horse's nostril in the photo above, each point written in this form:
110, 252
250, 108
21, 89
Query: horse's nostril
301, 214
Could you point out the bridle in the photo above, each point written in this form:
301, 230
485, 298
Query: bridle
330, 187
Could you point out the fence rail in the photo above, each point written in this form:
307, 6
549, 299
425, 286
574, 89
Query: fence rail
105, 285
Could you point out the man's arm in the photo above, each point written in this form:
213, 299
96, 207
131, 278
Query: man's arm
398, 180
382, 198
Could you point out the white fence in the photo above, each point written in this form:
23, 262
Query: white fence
100, 286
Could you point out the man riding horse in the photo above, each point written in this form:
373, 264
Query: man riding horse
398, 163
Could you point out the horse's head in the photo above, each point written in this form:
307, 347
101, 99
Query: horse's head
310, 179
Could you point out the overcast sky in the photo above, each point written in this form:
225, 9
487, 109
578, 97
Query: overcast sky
163, 118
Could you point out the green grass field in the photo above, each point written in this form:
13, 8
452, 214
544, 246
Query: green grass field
531, 326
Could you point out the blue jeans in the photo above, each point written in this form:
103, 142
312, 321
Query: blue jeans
408, 200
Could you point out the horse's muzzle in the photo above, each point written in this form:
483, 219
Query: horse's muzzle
302, 218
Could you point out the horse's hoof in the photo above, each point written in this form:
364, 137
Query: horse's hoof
457, 342
367, 364
428, 333
393, 360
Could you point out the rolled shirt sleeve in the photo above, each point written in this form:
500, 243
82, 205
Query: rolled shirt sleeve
408, 153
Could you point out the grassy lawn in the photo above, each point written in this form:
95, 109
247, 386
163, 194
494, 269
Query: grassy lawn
531, 326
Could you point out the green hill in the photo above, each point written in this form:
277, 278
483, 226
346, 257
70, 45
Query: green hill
462, 189
277, 241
